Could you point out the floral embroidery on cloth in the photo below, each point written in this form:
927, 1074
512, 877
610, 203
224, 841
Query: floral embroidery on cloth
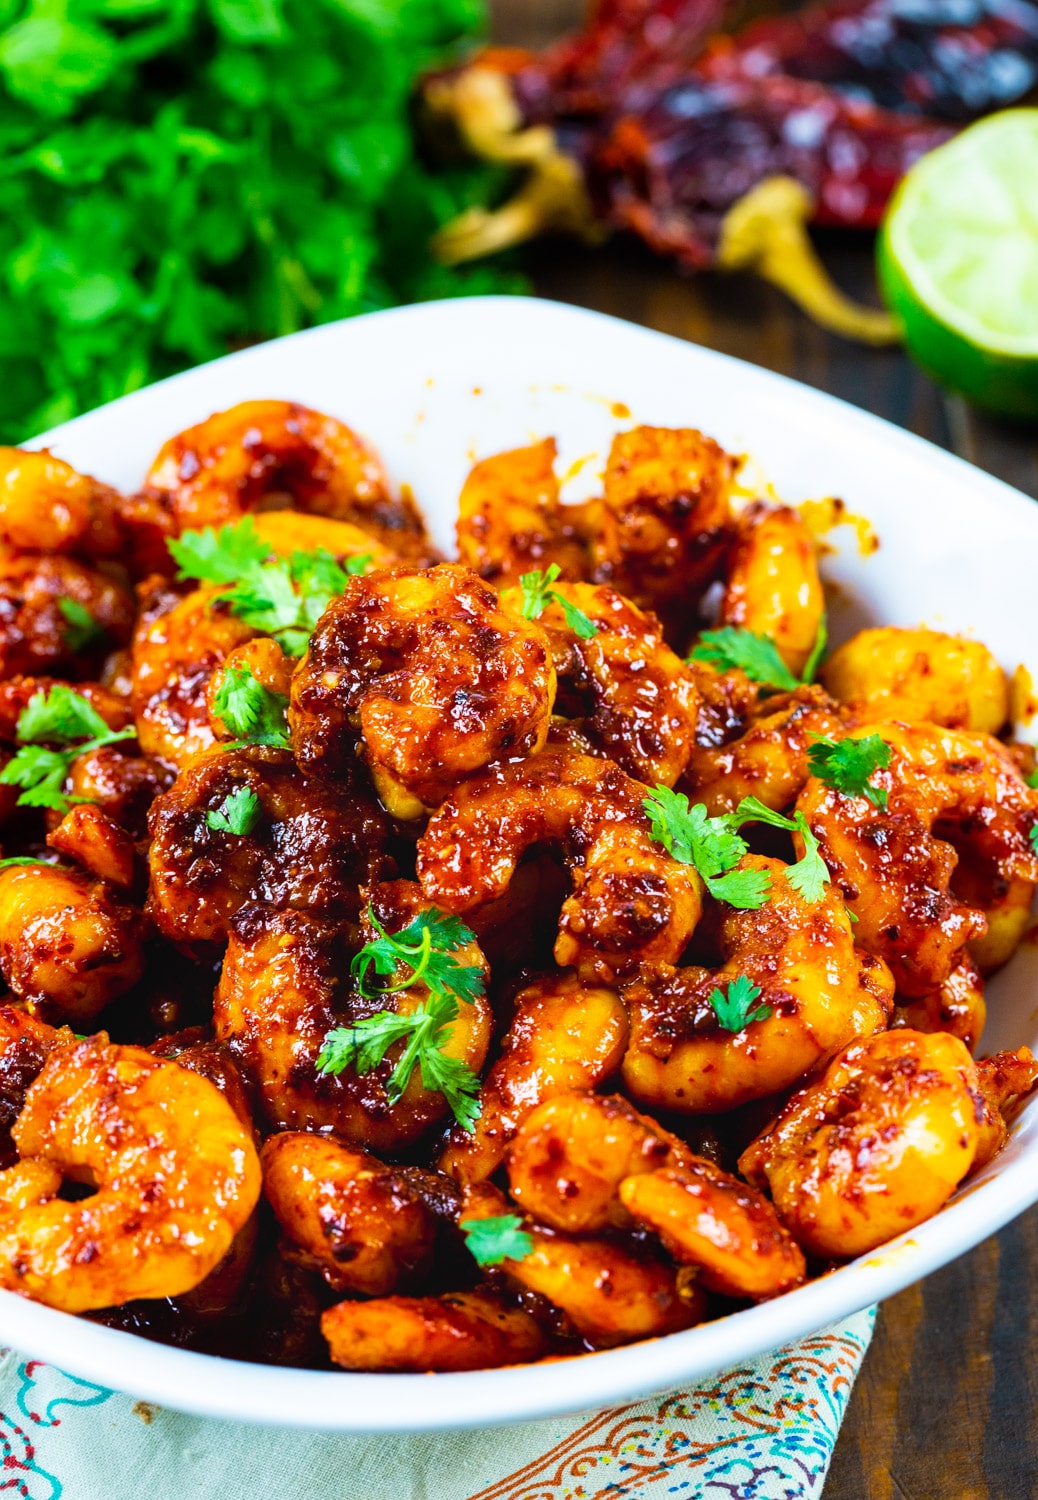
761, 1431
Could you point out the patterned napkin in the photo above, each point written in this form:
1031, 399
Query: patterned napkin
761, 1431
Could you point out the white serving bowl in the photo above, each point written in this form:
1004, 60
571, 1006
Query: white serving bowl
434, 387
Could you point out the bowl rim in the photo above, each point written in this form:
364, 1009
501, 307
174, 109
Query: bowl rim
339, 1401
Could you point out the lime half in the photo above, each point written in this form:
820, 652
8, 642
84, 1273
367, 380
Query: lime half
958, 262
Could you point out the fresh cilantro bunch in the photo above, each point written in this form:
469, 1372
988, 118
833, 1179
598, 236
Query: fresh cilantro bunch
283, 598
184, 176
538, 594
423, 950
491, 1241
848, 765
714, 847
53, 729
757, 656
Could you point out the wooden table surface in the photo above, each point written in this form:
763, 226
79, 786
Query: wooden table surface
946, 1407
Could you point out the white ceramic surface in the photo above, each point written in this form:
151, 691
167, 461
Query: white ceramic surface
434, 387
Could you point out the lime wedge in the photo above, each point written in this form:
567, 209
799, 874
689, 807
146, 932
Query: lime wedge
958, 262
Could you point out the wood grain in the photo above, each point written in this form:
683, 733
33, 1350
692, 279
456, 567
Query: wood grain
946, 1407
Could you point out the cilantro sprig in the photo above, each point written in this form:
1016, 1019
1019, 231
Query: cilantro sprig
282, 597
757, 656
254, 714
735, 1006
53, 728
848, 765
423, 951
538, 594
82, 632
714, 847
491, 1241
238, 813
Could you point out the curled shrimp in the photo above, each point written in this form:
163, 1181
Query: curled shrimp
281, 991
920, 676
432, 676
259, 452
511, 520
459, 1331
816, 991
176, 1177
631, 902
48, 506
309, 845
632, 697
772, 585
36, 631
68, 945
665, 519
878, 1144
359, 1223
893, 864
956, 1006
1003, 1079
564, 1035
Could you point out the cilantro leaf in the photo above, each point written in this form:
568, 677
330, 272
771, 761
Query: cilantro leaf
1033, 836
847, 765
238, 813
222, 556
814, 660
491, 1241
1032, 780
82, 631
359, 564
810, 875
755, 655
711, 845
254, 714
538, 594
734, 1007
423, 948
62, 717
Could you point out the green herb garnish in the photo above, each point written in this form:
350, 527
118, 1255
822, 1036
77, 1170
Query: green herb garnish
756, 655
57, 717
491, 1241
238, 813
847, 765
254, 714
538, 594
734, 1007
82, 631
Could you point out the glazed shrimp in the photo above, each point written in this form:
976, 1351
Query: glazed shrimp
47, 506
610, 1294
176, 1178
631, 902
432, 676
357, 1222
920, 676
460, 1331
893, 865
67, 946
564, 1035
310, 845
36, 634
632, 697
878, 1144
665, 519
821, 992
261, 452
511, 520
282, 989
1003, 1079
772, 584
956, 1006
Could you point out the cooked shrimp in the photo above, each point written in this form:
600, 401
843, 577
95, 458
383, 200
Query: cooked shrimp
179, 643
459, 1331
610, 1294
663, 525
67, 945
709, 1219
282, 990
920, 676
878, 1144
289, 531
123, 786
564, 1035
264, 660
89, 836
47, 506
357, 1222
511, 521
36, 634
631, 902
819, 990
893, 865
176, 1178
432, 676
570, 1155
632, 696
25, 1044
768, 759
261, 452
772, 584
1003, 1079
309, 845
16, 693
956, 1006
